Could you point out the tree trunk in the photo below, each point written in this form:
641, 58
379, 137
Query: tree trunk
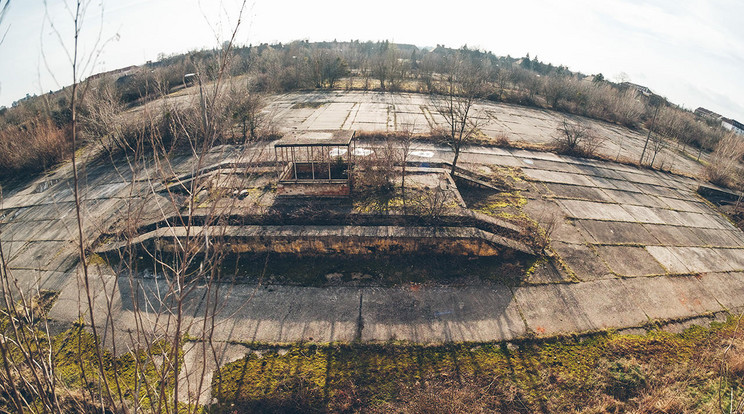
454, 160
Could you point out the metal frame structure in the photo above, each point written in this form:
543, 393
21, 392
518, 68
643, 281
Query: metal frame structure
315, 163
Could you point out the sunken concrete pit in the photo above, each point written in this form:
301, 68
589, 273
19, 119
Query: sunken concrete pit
255, 221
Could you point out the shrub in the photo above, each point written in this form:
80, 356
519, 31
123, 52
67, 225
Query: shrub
33, 146
576, 138
501, 140
724, 168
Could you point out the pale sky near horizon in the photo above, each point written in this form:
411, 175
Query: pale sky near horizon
691, 51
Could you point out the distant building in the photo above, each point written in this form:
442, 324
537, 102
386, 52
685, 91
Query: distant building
707, 113
733, 125
728, 123
640, 88
121, 71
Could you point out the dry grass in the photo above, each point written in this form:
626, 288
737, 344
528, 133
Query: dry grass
33, 146
501, 140
455, 397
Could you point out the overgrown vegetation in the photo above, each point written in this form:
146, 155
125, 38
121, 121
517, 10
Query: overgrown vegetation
34, 145
48, 373
104, 364
302, 65
724, 167
700, 370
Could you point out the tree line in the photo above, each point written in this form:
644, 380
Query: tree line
381, 66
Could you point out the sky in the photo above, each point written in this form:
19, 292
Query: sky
690, 51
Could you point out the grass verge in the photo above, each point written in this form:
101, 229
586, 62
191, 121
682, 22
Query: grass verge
607, 372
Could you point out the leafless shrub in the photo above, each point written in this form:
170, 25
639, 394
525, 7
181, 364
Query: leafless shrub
374, 173
546, 224
33, 146
247, 108
724, 166
104, 119
431, 204
626, 108
501, 140
404, 151
557, 89
658, 144
576, 138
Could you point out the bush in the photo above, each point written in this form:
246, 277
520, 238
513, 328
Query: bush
724, 168
33, 146
576, 138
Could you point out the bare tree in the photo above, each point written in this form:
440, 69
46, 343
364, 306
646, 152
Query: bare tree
658, 144
248, 108
404, 146
465, 82
426, 71
503, 75
29, 374
385, 65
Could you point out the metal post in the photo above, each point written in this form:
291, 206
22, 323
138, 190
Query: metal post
276, 164
294, 164
312, 162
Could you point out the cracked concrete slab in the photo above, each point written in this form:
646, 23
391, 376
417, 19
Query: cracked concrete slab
630, 260
674, 235
435, 314
616, 232
582, 260
642, 214
557, 177
595, 211
287, 314
727, 288
582, 307
626, 218
666, 256
671, 297
578, 192
702, 259
631, 198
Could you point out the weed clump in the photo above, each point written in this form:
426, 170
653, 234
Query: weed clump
625, 380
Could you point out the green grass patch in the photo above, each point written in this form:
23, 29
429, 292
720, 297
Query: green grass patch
566, 374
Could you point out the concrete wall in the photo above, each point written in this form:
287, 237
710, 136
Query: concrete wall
313, 189
356, 245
